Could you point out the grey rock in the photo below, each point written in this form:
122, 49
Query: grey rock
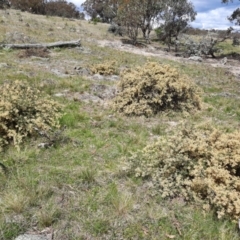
59, 74
15, 219
32, 237
3, 65
104, 91
113, 78
224, 94
84, 50
44, 145
98, 88
85, 97
64, 93
98, 77
195, 58
40, 58
82, 71
59, 94
223, 61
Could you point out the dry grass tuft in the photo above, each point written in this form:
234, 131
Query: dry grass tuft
36, 52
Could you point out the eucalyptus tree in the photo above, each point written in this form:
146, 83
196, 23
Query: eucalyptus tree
34, 6
174, 18
106, 10
129, 16
4, 4
150, 10
138, 15
235, 16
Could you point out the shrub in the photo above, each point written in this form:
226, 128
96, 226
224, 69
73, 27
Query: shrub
96, 20
106, 68
62, 9
59, 8
207, 45
4, 4
153, 88
115, 29
21, 108
236, 41
199, 164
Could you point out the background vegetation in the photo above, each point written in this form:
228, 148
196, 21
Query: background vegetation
80, 187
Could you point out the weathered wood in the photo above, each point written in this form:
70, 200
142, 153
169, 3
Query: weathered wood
42, 45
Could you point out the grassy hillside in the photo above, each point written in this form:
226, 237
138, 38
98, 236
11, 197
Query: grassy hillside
77, 189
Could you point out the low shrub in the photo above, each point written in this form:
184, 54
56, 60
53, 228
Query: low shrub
21, 108
200, 164
236, 41
153, 88
106, 68
116, 29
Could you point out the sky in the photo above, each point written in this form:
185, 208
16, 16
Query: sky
211, 14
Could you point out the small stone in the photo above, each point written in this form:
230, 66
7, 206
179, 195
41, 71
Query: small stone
59, 94
224, 61
195, 58
97, 77
113, 78
82, 71
32, 237
3, 65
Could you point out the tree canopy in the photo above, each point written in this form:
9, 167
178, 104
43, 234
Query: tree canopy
235, 16
106, 10
60, 8
175, 16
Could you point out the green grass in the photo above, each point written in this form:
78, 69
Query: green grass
78, 187
228, 49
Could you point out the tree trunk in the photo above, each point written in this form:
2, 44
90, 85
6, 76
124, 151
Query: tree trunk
42, 45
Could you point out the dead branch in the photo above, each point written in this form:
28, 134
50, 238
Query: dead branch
42, 45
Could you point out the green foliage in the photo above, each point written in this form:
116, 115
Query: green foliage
175, 17
236, 41
49, 8
153, 88
130, 16
22, 108
34, 6
62, 9
11, 230
4, 4
3, 168
88, 175
200, 164
96, 20
102, 11
235, 17
207, 45
116, 29
158, 32
98, 226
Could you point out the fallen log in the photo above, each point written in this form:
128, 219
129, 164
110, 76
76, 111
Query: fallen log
42, 45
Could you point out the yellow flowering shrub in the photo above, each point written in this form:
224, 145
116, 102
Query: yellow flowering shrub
106, 68
21, 108
155, 87
199, 164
